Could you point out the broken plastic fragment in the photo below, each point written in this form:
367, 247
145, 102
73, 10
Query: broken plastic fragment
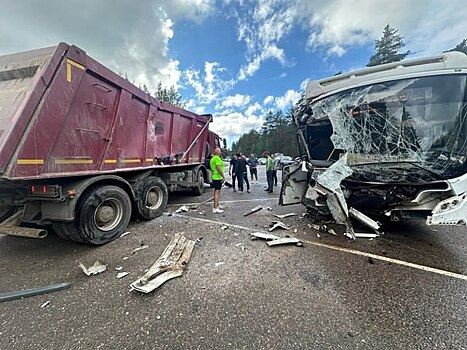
122, 274
283, 216
278, 224
263, 235
140, 248
217, 264
95, 269
47, 303
281, 241
183, 208
124, 234
253, 210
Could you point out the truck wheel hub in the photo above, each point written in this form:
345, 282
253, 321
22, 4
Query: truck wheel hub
108, 214
154, 198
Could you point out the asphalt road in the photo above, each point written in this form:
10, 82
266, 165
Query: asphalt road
404, 290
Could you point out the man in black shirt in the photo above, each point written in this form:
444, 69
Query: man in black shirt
241, 172
232, 171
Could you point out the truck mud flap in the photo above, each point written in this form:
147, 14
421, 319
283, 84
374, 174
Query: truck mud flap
294, 184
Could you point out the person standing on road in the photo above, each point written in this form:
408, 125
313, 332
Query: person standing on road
277, 165
241, 172
217, 170
232, 169
269, 171
253, 163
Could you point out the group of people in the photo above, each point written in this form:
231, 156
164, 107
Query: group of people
239, 174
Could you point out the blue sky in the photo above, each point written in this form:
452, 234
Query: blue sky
236, 59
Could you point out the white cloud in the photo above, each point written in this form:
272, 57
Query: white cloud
287, 100
234, 101
252, 109
233, 125
428, 26
261, 29
268, 100
129, 39
211, 86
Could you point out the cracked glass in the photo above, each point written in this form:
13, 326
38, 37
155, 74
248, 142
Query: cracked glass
407, 130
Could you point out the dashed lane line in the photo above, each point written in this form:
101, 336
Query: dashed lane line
347, 250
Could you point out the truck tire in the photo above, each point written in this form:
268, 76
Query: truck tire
152, 197
198, 190
102, 214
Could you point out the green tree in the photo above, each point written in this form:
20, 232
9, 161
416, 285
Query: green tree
387, 48
462, 47
169, 95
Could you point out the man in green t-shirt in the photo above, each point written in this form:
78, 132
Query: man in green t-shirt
217, 170
269, 171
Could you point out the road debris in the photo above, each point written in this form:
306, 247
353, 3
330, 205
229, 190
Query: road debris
124, 234
140, 248
183, 208
47, 303
275, 240
95, 269
119, 268
332, 232
366, 235
7, 296
263, 235
281, 241
277, 224
254, 210
122, 274
283, 216
217, 264
269, 208
315, 227
238, 244
170, 264
225, 227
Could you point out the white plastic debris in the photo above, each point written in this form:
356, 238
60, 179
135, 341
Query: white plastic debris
95, 269
217, 264
47, 303
238, 244
119, 268
332, 232
254, 210
124, 234
225, 227
366, 235
122, 274
183, 208
140, 248
283, 216
277, 224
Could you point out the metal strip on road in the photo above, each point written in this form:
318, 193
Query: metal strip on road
240, 200
350, 251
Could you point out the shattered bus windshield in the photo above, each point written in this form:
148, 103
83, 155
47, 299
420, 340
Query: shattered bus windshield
421, 121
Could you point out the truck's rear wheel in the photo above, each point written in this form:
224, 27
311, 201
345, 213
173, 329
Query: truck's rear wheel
102, 214
198, 190
152, 198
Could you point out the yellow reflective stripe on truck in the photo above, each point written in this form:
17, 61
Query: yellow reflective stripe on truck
30, 161
69, 64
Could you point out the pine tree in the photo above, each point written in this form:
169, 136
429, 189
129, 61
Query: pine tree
169, 95
462, 47
387, 48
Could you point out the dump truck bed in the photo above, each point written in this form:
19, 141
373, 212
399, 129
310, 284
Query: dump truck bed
62, 113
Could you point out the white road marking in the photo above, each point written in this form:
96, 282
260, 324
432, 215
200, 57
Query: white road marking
239, 200
347, 250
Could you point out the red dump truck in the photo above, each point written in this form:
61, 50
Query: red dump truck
82, 149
